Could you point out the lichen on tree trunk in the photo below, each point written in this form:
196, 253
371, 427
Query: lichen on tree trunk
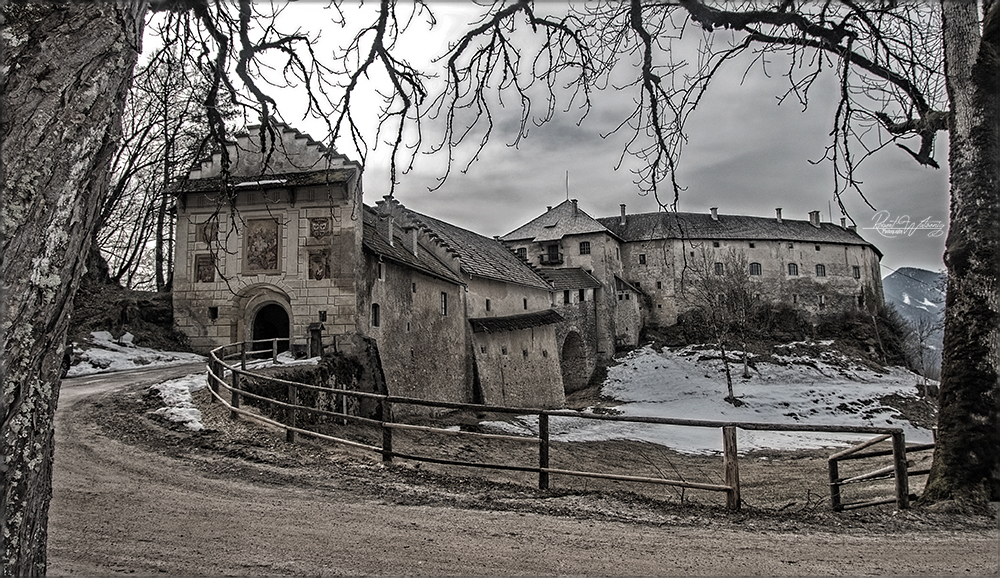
966, 462
67, 69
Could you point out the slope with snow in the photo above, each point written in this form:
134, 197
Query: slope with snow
792, 387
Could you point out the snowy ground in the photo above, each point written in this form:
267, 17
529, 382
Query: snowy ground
795, 388
103, 353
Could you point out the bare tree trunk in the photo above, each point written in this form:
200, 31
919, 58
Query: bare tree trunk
68, 68
966, 463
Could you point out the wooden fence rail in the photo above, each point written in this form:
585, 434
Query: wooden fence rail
219, 364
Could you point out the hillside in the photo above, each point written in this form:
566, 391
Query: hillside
918, 296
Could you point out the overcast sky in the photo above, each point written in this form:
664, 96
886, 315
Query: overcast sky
745, 155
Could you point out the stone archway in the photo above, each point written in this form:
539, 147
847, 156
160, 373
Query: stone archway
271, 322
573, 363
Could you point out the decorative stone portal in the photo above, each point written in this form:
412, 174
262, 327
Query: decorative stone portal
573, 361
271, 322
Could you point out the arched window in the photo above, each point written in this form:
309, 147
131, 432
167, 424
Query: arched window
755, 268
793, 269
821, 270
376, 315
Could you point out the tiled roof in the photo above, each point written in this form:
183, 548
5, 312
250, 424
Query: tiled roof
564, 219
424, 261
480, 256
571, 278
668, 225
514, 322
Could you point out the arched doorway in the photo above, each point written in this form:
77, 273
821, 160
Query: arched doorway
573, 363
271, 322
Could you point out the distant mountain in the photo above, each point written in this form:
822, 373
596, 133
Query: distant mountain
918, 295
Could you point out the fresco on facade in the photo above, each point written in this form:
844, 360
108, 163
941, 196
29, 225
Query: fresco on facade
317, 266
262, 245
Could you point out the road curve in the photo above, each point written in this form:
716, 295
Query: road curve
121, 509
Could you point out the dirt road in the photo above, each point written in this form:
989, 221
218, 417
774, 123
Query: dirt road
122, 507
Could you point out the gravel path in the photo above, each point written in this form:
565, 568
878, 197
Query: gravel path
203, 504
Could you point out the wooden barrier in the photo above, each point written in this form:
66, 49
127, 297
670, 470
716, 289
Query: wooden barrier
291, 411
898, 471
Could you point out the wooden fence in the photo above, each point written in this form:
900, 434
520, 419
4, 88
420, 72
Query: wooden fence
233, 359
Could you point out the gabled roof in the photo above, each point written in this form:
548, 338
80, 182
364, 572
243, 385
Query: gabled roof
570, 278
564, 219
669, 225
478, 256
424, 261
514, 322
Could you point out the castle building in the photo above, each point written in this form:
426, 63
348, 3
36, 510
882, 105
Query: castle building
283, 247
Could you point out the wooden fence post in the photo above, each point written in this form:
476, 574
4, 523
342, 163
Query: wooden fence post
835, 502
543, 451
731, 466
293, 400
386, 415
214, 371
235, 397
902, 473
274, 351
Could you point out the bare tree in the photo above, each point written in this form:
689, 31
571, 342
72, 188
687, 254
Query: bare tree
717, 286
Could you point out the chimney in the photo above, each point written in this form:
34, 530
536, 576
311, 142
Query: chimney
715, 213
853, 228
777, 214
548, 208
622, 222
814, 218
385, 228
843, 222
411, 239
574, 206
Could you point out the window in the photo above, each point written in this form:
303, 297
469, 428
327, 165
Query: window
795, 298
638, 284
487, 304
821, 270
376, 315
525, 303
380, 272
817, 247
791, 245
857, 272
715, 244
720, 269
752, 244
822, 301
583, 295
755, 269
522, 253
413, 287
566, 297
585, 248
659, 284
444, 303
793, 269
642, 258
204, 268
213, 313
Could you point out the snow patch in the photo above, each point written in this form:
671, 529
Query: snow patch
176, 395
104, 353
